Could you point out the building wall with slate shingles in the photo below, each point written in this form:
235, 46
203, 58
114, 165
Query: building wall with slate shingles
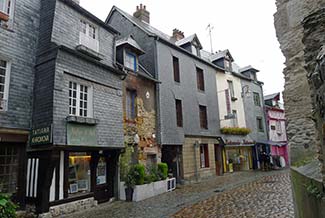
252, 111
106, 94
126, 28
66, 29
188, 92
18, 45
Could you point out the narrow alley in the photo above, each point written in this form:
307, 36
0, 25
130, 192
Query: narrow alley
244, 194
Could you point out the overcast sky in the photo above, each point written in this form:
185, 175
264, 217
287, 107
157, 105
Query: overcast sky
244, 27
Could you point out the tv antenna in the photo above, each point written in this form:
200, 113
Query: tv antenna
210, 28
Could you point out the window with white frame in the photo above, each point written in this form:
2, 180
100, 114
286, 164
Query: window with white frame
89, 35
4, 83
5, 6
130, 61
80, 100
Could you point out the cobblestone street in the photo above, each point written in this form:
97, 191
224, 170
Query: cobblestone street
243, 194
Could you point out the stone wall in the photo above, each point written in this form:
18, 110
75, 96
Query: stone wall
289, 30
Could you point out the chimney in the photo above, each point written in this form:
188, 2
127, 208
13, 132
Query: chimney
142, 14
177, 34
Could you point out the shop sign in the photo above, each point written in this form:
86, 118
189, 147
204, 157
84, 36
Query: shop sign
80, 134
41, 136
150, 150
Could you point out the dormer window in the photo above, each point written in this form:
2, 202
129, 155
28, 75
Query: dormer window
88, 36
130, 61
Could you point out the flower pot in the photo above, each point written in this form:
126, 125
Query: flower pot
129, 194
4, 17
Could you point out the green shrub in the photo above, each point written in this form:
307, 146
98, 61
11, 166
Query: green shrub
148, 179
162, 170
7, 207
138, 172
153, 172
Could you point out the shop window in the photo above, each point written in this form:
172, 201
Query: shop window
176, 69
204, 156
101, 171
8, 169
79, 173
200, 79
131, 104
80, 100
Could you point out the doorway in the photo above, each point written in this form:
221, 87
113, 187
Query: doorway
172, 155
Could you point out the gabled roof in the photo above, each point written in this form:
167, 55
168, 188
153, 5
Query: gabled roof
164, 38
89, 15
272, 96
221, 54
247, 68
189, 39
130, 42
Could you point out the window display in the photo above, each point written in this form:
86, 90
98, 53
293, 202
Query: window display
101, 171
79, 173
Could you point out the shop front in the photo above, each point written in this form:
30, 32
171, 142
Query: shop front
79, 173
238, 157
12, 163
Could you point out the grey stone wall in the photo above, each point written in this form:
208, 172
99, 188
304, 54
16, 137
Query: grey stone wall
186, 91
18, 45
252, 111
297, 101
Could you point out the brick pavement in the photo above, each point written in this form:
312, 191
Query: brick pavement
269, 197
246, 194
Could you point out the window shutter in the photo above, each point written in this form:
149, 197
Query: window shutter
206, 155
228, 101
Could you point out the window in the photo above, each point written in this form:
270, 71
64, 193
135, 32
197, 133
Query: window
5, 6
200, 79
235, 120
8, 169
272, 127
257, 100
176, 69
179, 113
88, 36
204, 156
231, 89
79, 100
79, 173
130, 61
203, 117
4, 84
131, 104
228, 105
259, 122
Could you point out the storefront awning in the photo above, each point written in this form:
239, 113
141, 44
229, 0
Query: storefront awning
269, 142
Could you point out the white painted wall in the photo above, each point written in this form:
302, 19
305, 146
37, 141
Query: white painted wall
238, 105
277, 135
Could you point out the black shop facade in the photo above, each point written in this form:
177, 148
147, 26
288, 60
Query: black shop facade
79, 170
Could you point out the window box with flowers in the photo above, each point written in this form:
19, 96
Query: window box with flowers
235, 130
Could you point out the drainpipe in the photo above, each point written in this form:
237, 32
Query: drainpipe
196, 145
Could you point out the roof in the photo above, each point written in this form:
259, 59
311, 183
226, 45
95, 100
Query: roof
272, 96
151, 31
189, 39
131, 42
89, 15
247, 68
144, 73
221, 54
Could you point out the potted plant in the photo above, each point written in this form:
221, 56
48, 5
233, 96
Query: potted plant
4, 16
129, 184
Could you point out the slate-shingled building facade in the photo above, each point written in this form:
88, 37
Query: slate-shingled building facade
59, 87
